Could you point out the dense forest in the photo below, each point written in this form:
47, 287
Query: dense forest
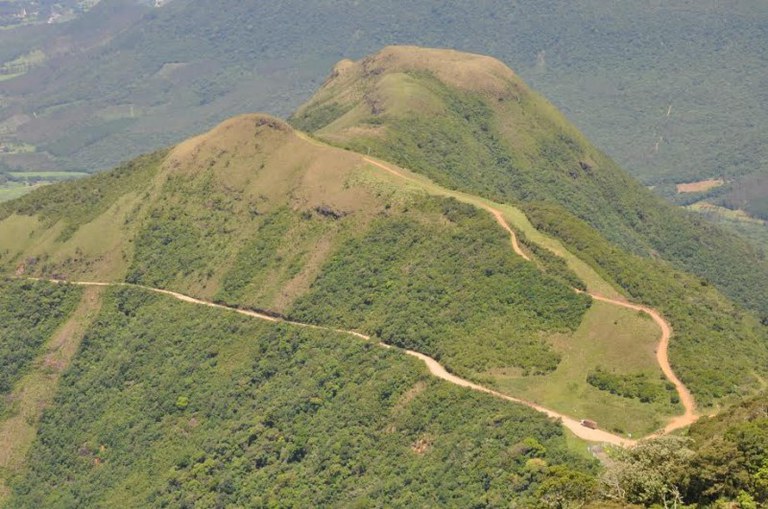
169, 406
29, 314
722, 462
455, 292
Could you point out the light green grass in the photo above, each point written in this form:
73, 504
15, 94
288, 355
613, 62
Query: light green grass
12, 190
52, 175
615, 338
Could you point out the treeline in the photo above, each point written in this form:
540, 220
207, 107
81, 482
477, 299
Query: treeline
723, 462
170, 405
638, 385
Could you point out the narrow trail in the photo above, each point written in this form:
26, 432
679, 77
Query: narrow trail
662, 351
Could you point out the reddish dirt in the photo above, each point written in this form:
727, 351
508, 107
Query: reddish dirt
662, 357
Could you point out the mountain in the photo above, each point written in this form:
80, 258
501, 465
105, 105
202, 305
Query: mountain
256, 216
673, 91
470, 123
255, 315
212, 218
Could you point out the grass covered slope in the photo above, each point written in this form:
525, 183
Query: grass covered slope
706, 325
470, 123
167, 405
252, 215
607, 372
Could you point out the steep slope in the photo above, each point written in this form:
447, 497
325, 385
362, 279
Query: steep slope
470, 123
167, 404
42, 329
252, 215
29, 314
722, 462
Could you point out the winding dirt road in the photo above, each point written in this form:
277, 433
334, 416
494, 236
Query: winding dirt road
662, 357
662, 351
435, 368
438, 370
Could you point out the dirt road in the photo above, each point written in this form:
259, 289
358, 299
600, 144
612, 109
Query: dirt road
435, 368
662, 357
662, 351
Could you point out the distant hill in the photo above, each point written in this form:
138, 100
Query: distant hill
671, 90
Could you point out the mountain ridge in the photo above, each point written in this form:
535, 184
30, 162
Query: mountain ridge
516, 147
257, 215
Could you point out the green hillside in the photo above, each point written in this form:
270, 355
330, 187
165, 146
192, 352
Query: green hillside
169, 406
722, 462
254, 216
459, 216
469, 123
29, 314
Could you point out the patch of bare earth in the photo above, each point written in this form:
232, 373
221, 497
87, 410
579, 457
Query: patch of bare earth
421, 446
700, 186
36, 390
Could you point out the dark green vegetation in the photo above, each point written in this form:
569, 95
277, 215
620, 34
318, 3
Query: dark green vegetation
750, 195
731, 454
29, 314
704, 322
552, 264
469, 123
639, 386
723, 459
450, 288
170, 406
